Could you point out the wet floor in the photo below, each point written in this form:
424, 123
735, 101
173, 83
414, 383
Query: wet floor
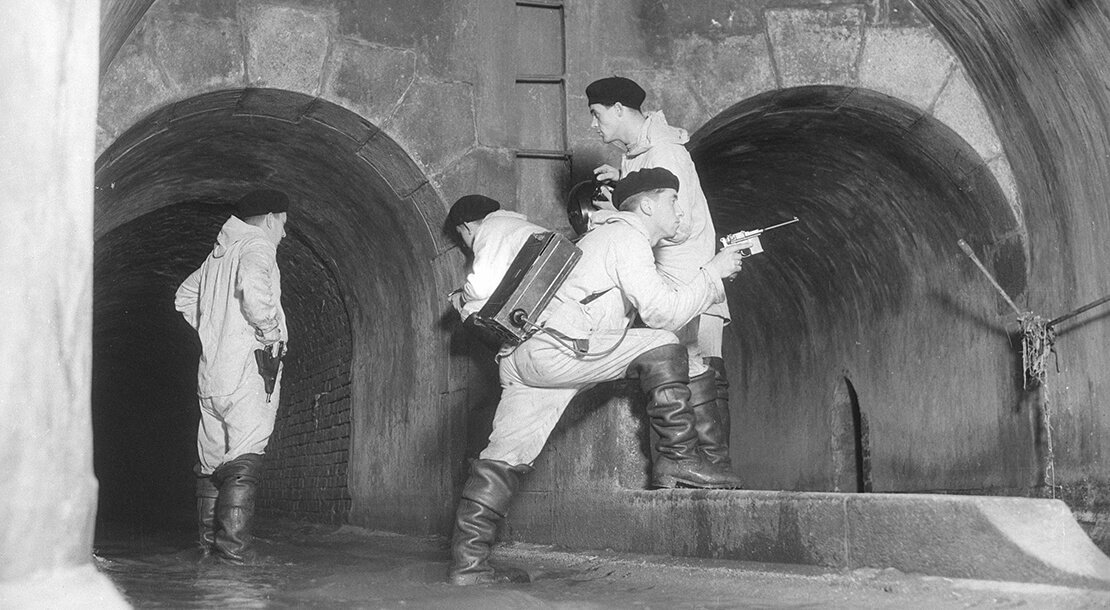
312, 566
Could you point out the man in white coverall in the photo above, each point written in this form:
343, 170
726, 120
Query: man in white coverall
233, 301
614, 279
648, 141
494, 236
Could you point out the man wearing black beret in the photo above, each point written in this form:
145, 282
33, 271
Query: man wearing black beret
648, 141
494, 237
233, 301
586, 340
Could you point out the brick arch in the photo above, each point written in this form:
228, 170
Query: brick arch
884, 192
364, 216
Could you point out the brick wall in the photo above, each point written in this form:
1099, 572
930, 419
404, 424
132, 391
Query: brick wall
144, 378
306, 461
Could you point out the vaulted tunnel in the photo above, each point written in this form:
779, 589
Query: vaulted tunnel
868, 292
882, 191
870, 287
358, 284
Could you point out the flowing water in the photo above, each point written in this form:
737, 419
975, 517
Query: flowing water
316, 566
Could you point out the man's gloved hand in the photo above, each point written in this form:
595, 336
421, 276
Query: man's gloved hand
269, 336
610, 174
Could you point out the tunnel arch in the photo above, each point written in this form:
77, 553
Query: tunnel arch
884, 191
362, 274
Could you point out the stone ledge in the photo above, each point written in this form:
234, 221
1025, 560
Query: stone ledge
989, 538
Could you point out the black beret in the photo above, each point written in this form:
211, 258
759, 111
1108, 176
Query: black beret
261, 201
639, 181
471, 207
609, 91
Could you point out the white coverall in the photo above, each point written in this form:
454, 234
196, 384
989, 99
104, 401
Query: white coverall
680, 258
499, 238
615, 276
234, 302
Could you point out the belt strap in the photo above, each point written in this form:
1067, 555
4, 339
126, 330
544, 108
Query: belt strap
581, 346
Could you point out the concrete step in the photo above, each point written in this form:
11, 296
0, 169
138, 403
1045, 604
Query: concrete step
977, 537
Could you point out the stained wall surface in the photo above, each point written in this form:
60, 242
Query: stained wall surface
892, 131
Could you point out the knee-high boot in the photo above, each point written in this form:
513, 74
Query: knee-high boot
711, 423
237, 481
664, 376
714, 419
484, 504
206, 493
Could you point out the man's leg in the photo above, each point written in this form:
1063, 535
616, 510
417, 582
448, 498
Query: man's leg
711, 423
713, 418
524, 419
248, 420
664, 375
237, 481
207, 493
211, 447
484, 504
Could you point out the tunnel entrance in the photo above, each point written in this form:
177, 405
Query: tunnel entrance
359, 290
871, 280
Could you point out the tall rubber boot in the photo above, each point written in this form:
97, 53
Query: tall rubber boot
663, 374
711, 425
484, 504
206, 492
237, 481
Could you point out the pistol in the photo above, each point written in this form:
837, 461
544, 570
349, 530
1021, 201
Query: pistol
749, 240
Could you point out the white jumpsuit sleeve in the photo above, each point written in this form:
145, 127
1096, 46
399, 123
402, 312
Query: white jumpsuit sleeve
660, 304
187, 299
484, 277
254, 284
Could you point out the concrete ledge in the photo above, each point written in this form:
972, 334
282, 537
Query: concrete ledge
992, 538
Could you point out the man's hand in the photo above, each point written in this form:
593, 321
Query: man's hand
455, 298
726, 263
606, 172
268, 337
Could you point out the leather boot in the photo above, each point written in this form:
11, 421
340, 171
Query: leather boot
206, 512
484, 504
237, 481
711, 421
664, 376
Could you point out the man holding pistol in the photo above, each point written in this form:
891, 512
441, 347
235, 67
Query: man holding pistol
648, 141
615, 278
233, 301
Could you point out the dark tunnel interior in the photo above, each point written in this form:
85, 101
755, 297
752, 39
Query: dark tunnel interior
350, 273
881, 190
145, 364
871, 275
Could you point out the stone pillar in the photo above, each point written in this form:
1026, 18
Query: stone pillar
48, 65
